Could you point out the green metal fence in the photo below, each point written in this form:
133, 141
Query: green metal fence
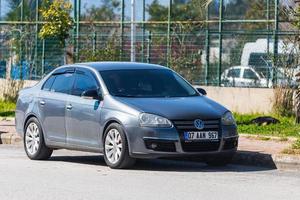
235, 43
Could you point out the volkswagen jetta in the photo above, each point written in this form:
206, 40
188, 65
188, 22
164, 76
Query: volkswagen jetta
125, 111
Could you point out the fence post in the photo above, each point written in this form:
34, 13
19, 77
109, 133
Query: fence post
77, 18
169, 34
207, 52
21, 45
122, 29
133, 32
220, 40
94, 42
149, 47
275, 50
43, 58
143, 31
36, 36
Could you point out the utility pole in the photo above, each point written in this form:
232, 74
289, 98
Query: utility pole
133, 31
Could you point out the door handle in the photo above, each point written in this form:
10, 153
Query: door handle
42, 103
69, 107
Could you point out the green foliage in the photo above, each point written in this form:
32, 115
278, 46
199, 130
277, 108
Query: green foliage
285, 128
7, 108
296, 22
56, 14
14, 13
191, 10
296, 145
110, 53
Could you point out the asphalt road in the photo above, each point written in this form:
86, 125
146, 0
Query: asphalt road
76, 175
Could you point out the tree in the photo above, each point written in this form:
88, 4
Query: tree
15, 10
105, 12
189, 16
56, 14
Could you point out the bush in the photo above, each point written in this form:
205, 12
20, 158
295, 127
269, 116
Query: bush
283, 102
7, 109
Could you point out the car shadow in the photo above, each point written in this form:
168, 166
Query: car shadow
170, 165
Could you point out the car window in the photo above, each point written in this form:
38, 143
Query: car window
146, 83
48, 84
83, 81
234, 73
249, 74
63, 83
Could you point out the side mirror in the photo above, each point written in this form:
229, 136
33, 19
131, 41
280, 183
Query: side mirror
202, 91
91, 94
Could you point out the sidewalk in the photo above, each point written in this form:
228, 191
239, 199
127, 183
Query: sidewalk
252, 150
266, 153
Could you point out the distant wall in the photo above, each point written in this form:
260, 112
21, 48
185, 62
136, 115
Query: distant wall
243, 100
4, 85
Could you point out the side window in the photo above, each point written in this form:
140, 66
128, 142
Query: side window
63, 83
234, 73
48, 84
84, 81
249, 74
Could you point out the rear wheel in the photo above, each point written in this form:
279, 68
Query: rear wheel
219, 160
34, 144
116, 152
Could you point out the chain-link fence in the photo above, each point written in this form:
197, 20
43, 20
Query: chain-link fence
237, 43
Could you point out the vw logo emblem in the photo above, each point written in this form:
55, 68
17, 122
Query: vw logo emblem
199, 124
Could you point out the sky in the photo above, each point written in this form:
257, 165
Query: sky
89, 3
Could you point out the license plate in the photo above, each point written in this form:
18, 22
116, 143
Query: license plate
200, 135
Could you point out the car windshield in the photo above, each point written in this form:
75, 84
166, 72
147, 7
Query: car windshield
146, 83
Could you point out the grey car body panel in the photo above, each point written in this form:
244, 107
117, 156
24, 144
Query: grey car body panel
82, 127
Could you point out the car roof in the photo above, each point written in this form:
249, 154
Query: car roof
104, 66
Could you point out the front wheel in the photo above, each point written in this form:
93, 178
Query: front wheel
34, 143
116, 152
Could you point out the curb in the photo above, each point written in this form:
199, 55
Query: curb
276, 161
9, 138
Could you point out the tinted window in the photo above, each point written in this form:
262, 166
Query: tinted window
249, 74
63, 83
146, 83
47, 85
234, 73
83, 82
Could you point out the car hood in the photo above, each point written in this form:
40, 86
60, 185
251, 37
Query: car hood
177, 108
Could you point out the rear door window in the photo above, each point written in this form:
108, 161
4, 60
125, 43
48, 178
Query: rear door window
234, 73
48, 84
63, 83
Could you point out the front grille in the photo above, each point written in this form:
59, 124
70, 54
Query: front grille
198, 146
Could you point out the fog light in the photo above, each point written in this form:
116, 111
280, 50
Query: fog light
153, 146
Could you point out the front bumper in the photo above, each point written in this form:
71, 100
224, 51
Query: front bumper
168, 142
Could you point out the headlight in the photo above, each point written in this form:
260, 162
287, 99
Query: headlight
150, 120
228, 119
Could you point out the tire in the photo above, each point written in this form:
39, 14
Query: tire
219, 160
36, 149
115, 148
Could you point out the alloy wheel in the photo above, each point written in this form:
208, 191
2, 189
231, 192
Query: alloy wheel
32, 138
113, 146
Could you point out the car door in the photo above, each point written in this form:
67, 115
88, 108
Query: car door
83, 115
250, 78
234, 77
52, 104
